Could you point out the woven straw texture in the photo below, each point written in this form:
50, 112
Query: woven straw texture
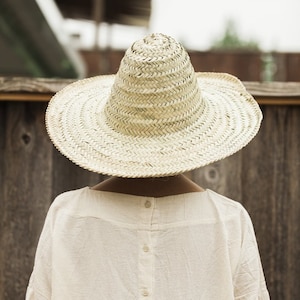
155, 117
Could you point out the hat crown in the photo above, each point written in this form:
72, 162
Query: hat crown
155, 90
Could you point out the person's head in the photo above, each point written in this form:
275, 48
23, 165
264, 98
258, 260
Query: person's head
156, 117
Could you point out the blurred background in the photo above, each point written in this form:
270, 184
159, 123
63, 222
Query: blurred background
69, 39
46, 44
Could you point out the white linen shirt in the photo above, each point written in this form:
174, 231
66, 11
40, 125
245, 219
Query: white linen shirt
110, 246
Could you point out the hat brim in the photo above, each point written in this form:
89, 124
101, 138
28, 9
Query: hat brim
76, 125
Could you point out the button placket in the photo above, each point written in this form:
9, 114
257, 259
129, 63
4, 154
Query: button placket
145, 263
146, 212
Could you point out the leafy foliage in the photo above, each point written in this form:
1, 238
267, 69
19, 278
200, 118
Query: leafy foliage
232, 41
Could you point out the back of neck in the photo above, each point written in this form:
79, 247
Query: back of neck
150, 187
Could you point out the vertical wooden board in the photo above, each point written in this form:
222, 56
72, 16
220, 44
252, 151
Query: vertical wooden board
223, 176
115, 59
292, 185
280, 67
258, 169
68, 176
102, 62
287, 67
293, 67
26, 193
269, 195
2, 139
2, 183
246, 66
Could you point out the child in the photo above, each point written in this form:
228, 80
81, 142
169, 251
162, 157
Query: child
148, 232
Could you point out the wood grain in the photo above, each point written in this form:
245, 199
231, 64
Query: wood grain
31, 89
32, 85
25, 192
271, 169
68, 176
273, 89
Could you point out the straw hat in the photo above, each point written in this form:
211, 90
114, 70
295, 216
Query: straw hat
155, 117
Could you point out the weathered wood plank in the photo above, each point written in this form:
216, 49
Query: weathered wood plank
257, 178
68, 176
44, 97
3, 108
291, 174
25, 192
32, 85
223, 177
273, 89
287, 66
270, 193
244, 65
283, 101
51, 86
262, 100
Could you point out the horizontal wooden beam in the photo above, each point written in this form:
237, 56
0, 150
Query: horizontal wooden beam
34, 97
273, 89
39, 89
277, 100
32, 85
25, 96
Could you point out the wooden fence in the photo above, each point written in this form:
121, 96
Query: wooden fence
248, 66
264, 176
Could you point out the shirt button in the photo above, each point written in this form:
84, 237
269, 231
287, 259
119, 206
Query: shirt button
145, 293
146, 248
147, 204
